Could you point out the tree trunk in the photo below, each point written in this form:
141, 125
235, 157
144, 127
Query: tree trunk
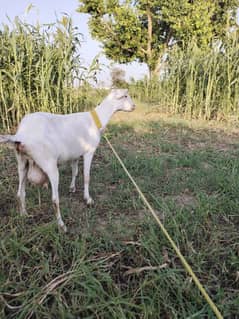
150, 30
154, 72
149, 42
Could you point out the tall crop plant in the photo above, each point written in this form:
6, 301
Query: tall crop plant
202, 83
39, 69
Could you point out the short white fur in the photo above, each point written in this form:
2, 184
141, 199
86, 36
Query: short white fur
43, 140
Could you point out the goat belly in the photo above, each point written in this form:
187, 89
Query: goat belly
35, 175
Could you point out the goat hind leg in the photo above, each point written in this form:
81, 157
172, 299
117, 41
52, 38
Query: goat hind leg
22, 173
52, 172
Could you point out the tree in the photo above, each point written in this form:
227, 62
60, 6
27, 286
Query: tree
143, 30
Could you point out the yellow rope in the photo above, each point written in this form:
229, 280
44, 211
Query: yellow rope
183, 260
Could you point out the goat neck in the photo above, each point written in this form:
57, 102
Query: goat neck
105, 112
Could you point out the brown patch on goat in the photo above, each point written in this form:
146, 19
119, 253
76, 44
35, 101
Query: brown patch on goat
20, 148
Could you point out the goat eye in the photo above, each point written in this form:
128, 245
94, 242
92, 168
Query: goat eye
126, 96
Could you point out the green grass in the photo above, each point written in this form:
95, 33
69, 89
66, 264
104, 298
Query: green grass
189, 171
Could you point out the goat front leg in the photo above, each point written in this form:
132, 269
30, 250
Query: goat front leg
22, 173
87, 164
74, 167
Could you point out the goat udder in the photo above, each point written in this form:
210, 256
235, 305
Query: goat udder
35, 175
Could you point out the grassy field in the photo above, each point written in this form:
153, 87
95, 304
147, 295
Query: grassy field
114, 262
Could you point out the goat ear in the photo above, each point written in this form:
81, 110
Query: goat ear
122, 93
115, 92
119, 93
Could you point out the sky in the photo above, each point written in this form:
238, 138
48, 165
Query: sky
46, 11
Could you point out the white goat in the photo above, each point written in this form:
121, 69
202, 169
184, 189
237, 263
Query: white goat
43, 140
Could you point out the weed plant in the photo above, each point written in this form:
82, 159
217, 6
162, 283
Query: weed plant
195, 82
41, 70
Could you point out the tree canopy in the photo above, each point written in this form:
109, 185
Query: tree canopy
142, 30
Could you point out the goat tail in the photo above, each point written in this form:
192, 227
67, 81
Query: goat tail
7, 139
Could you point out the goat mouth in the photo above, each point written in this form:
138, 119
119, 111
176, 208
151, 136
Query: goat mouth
130, 110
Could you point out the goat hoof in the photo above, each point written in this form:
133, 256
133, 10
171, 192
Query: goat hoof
24, 214
63, 228
72, 189
89, 201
